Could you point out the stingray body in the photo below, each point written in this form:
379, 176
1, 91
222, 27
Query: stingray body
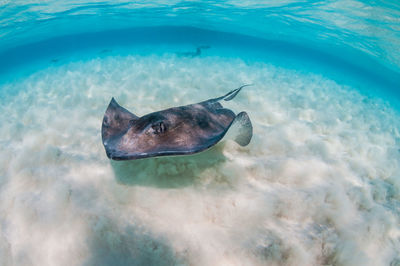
174, 131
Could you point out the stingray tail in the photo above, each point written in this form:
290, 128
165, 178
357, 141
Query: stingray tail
232, 94
241, 130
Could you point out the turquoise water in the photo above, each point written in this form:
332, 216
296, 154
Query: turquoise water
348, 39
319, 183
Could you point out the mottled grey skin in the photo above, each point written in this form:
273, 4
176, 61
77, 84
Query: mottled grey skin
175, 131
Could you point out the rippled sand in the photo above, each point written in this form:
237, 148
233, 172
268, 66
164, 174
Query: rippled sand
318, 185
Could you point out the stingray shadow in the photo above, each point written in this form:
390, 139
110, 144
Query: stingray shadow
168, 172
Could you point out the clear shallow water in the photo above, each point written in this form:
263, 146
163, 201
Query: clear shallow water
319, 183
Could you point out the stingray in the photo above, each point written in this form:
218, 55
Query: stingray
178, 130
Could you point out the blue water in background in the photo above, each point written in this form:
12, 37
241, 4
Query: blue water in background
353, 42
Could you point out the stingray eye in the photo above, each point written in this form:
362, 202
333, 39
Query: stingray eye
106, 121
159, 127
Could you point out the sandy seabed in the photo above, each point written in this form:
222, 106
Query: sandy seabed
319, 183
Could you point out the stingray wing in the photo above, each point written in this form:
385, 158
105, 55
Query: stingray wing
116, 121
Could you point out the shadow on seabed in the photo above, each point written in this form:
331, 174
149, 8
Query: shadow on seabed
168, 172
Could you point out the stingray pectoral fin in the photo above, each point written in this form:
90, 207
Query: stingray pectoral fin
119, 110
116, 120
241, 129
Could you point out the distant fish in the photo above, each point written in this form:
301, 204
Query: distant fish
54, 60
174, 131
105, 51
194, 54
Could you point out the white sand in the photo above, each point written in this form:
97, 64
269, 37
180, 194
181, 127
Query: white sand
318, 185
